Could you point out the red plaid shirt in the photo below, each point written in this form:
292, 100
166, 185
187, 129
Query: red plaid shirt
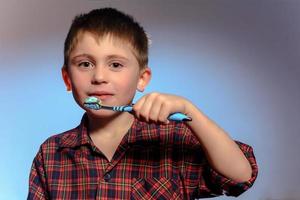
152, 162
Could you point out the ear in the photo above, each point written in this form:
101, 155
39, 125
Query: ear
144, 79
66, 78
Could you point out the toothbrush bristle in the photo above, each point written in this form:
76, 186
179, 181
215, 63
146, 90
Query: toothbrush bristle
92, 103
92, 106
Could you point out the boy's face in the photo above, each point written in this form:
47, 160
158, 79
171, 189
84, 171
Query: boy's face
106, 68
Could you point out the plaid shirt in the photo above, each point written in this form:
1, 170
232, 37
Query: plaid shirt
152, 162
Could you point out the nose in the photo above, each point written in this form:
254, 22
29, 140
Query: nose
99, 75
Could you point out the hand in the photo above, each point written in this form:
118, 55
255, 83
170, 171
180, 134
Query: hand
156, 107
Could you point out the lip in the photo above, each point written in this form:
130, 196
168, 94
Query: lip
101, 94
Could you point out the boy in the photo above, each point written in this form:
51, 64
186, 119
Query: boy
118, 155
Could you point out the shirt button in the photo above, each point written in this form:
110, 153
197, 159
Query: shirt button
107, 177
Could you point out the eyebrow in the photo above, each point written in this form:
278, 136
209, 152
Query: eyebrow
117, 57
114, 56
82, 55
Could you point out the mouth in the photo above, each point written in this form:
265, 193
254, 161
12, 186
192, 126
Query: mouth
101, 95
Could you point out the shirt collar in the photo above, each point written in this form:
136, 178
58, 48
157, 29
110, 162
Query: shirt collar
77, 136
139, 132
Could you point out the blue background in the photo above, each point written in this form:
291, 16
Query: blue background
238, 61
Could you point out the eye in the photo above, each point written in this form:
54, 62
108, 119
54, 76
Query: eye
85, 64
116, 65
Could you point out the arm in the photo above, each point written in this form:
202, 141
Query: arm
37, 180
222, 152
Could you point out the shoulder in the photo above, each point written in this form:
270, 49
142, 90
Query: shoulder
56, 141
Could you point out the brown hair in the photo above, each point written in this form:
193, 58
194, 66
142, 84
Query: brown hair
109, 21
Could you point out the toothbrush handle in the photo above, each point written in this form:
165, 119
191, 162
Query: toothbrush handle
179, 117
122, 108
173, 117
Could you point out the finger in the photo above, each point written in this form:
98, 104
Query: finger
150, 105
146, 107
155, 110
164, 112
137, 106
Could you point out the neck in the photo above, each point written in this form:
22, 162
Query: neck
110, 127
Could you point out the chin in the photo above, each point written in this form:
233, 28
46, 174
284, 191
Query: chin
102, 113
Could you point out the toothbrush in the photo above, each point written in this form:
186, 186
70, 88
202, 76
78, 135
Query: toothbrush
95, 104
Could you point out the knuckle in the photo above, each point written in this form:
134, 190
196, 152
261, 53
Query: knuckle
154, 94
160, 98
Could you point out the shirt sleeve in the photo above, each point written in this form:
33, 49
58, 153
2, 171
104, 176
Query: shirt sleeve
37, 180
217, 184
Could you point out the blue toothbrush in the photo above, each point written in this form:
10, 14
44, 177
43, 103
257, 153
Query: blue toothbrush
95, 104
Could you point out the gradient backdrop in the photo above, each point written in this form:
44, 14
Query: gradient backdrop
237, 60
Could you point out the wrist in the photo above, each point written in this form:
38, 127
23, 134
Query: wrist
189, 108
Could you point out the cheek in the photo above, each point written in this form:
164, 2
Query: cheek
127, 86
78, 86
79, 81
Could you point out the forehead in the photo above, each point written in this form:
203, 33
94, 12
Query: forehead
87, 41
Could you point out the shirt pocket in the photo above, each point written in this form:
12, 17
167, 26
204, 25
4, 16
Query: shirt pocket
161, 188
